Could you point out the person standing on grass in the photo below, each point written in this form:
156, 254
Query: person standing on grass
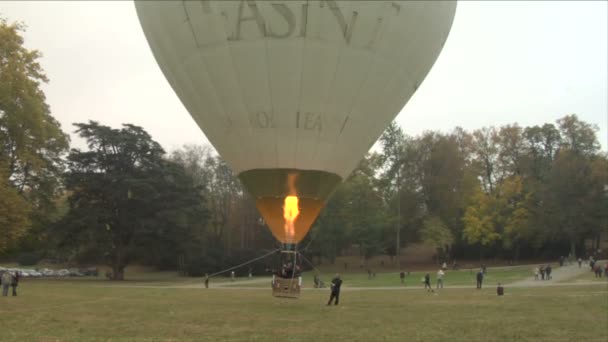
15, 282
402, 276
206, 280
580, 262
427, 282
548, 271
479, 279
7, 279
335, 290
440, 274
500, 290
536, 271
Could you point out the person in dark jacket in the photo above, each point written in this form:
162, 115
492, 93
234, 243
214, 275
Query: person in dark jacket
548, 272
479, 278
542, 272
500, 290
427, 282
335, 290
15, 282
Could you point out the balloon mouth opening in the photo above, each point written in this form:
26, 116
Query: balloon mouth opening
289, 218
289, 200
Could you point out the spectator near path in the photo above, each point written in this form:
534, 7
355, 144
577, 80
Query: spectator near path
479, 278
335, 290
15, 282
6, 280
440, 275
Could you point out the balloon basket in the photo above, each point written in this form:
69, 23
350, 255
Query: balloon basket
288, 281
286, 287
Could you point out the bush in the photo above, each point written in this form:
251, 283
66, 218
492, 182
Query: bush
29, 259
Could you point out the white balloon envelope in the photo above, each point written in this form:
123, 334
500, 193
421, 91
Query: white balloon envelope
293, 93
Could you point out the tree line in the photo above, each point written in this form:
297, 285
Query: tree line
509, 191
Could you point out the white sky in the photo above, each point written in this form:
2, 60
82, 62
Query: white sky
504, 62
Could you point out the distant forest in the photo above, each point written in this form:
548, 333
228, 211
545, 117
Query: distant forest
511, 192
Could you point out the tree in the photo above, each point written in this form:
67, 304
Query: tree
486, 155
514, 215
511, 150
479, 221
14, 216
438, 235
365, 209
393, 141
31, 141
572, 197
578, 135
125, 198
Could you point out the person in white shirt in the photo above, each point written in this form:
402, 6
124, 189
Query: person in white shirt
440, 275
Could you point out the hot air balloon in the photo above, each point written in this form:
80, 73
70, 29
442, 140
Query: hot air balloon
292, 94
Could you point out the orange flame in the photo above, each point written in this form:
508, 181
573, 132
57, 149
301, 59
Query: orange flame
290, 213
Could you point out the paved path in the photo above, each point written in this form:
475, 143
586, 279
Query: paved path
558, 275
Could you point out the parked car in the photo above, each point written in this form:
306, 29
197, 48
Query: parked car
63, 273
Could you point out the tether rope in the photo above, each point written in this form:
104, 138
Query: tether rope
245, 263
313, 267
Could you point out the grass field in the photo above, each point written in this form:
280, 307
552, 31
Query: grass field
459, 278
84, 311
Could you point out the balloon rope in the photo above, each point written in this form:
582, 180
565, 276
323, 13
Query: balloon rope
245, 263
311, 264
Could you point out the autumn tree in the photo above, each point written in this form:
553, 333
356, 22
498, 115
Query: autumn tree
32, 143
438, 235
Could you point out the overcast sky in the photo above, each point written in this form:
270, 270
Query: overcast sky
504, 62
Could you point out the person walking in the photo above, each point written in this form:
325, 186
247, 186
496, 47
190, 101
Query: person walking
440, 275
580, 262
15, 282
402, 276
542, 272
206, 280
6, 279
548, 272
536, 271
479, 279
336, 283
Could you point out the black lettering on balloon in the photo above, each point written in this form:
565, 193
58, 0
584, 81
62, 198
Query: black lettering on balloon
344, 124
347, 29
304, 21
397, 7
256, 16
262, 120
312, 121
375, 34
287, 14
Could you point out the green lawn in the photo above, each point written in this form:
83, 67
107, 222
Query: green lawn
80, 311
462, 277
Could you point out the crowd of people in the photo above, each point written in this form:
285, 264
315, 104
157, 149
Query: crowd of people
597, 268
543, 272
